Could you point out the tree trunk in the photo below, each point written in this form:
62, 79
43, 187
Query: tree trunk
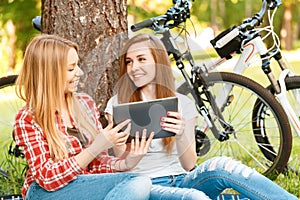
287, 30
213, 20
297, 32
98, 27
12, 45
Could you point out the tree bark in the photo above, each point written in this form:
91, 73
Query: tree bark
98, 27
213, 20
287, 28
12, 45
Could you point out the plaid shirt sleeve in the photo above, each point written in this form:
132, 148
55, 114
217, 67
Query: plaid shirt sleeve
45, 171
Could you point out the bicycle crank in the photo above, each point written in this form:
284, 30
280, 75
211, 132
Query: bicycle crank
202, 142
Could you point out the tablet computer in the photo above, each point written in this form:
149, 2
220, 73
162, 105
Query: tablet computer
146, 115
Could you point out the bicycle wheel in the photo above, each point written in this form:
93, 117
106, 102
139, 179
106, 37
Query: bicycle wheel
9, 104
242, 144
293, 95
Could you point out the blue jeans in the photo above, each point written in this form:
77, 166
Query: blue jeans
117, 186
212, 177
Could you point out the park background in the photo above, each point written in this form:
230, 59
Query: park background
209, 18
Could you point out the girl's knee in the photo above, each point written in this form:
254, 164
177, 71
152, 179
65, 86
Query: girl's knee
176, 193
133, 188
226, 164
143, 181
141, 187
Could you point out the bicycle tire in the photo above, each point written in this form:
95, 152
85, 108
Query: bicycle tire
242, 145
292, 85
8, 80
10, 104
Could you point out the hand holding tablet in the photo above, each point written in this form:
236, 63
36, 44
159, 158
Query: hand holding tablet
146, 115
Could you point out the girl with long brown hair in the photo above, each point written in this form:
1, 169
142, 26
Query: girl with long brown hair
146, 74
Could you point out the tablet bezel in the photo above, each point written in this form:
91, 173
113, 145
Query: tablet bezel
134, 111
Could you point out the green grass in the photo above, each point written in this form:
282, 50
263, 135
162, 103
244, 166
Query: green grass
15, 167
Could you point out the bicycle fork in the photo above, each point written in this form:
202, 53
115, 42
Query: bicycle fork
209, 120
213, 117
282, 97
280, 89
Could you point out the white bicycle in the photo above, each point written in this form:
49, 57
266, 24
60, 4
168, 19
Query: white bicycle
231, 106
247, 41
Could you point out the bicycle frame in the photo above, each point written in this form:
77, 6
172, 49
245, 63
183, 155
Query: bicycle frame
208, 116
249, 50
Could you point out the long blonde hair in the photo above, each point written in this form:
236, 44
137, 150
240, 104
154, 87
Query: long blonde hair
164, 80
41, 83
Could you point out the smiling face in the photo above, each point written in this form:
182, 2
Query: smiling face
73, 71
140, 64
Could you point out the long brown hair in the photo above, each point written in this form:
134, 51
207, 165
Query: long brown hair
41, 83
164, 80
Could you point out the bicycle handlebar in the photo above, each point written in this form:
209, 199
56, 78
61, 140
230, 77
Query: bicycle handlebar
258, 17
141, 25
149, 23
181, 11
36, 22
178, 14
230, 40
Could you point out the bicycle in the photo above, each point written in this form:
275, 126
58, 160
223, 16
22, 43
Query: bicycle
219, 97
247, 41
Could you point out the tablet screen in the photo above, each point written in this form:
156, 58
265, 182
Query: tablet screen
146, 115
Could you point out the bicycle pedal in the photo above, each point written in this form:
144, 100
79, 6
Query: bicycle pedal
199, 136
200, 133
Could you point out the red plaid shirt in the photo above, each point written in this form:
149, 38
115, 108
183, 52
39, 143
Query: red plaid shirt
49, 174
